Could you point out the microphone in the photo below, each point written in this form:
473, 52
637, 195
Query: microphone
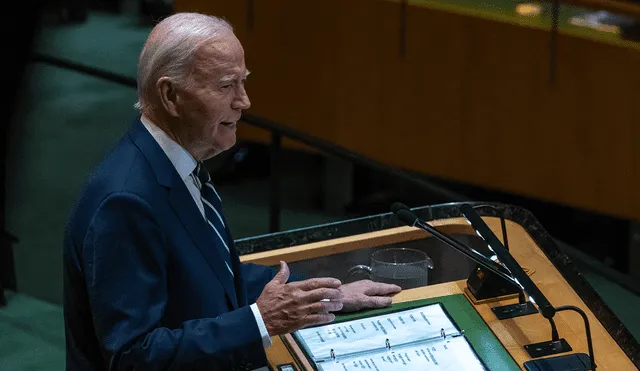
483, 230
409, 218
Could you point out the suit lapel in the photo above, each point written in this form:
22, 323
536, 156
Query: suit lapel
185, 207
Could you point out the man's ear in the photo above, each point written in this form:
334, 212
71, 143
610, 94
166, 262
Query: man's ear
168, 95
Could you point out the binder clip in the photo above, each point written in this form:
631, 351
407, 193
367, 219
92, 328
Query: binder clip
333, 355
443, 334
387, 344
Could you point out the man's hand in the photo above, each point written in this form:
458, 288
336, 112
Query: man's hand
287, 307
366, 294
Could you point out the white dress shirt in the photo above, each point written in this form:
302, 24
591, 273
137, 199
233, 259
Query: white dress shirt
185, 164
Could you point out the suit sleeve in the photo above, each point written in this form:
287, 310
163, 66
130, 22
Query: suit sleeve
256, 278
124, 258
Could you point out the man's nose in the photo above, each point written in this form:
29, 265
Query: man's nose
241, 102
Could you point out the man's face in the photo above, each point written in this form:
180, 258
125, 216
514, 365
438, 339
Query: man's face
212, 103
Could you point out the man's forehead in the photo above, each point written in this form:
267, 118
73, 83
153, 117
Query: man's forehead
217, 58
223, 48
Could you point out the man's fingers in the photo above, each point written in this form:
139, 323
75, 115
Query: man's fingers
316, 283
378, 302
378, 288
323, 293
324, 306
318, 319
283, 275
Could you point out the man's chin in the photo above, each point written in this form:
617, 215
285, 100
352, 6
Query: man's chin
227, 145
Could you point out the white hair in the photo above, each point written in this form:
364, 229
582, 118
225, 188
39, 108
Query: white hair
170, 50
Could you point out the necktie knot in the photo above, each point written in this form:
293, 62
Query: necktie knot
206, 188
202, 174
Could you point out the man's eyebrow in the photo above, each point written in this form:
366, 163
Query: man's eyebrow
227, 78
231, 78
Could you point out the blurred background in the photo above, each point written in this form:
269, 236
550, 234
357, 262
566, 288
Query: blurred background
356, 104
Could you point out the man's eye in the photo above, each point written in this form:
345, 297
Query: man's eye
226, 86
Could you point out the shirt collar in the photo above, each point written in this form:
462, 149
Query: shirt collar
181, 159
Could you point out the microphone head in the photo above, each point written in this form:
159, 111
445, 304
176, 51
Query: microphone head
407, 217
397, 206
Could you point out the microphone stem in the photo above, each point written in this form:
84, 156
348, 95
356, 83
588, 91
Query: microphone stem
587, 329
554, 330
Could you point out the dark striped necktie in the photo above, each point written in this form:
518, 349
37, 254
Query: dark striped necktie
213, 211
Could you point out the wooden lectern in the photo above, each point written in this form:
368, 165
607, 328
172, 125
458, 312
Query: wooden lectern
325, 250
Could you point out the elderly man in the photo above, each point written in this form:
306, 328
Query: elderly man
152, 279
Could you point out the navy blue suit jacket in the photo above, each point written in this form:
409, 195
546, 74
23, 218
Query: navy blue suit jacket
145, 285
